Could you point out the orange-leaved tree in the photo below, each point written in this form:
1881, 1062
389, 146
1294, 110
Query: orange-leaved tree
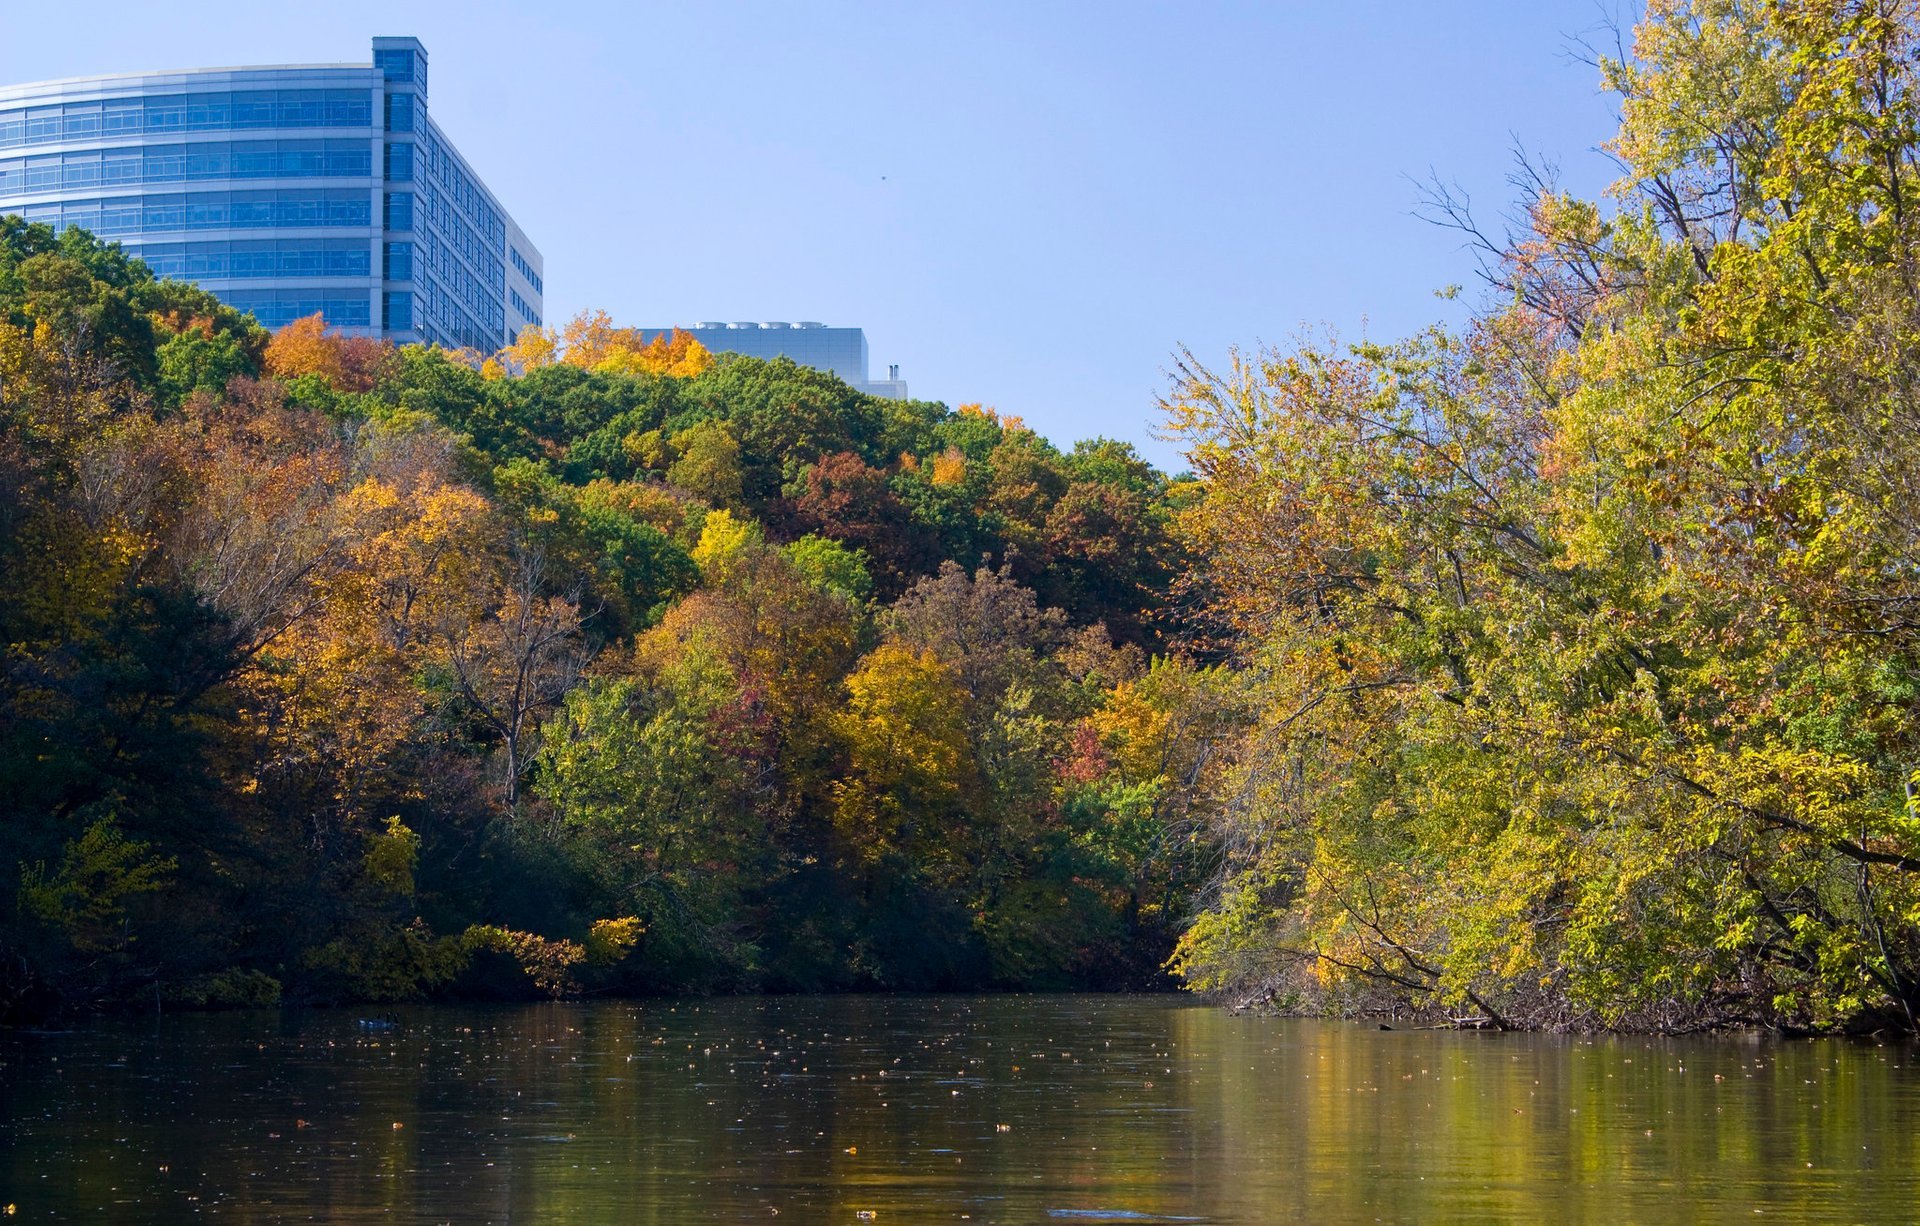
346, 363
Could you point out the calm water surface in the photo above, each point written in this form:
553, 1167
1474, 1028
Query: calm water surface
983, 1109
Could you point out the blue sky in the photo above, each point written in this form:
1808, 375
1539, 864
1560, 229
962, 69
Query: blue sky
1025, 204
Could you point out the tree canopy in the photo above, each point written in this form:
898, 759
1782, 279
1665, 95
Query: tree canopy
339, 671
1584, 636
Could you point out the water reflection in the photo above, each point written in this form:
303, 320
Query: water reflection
1006, 1109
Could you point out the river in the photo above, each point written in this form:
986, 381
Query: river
938, 1109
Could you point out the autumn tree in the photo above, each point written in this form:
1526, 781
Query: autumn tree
907, 740
344, 363
333, 671
592, 341
708, 464
846, 499
1586, 691
515, 663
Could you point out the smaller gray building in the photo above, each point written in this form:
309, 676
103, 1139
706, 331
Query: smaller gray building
842, 351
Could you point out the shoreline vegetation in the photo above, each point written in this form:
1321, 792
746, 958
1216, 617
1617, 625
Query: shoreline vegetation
1559, 670
340, 672
1584, 636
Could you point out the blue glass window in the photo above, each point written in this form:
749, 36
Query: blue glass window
396, 64
526, 270
44, 123
166, 113
121, 165
82, 120
122, 115
399, 112
278, 308
398, 310
399, 163
250, 258
183, 112
241, 210
399, 214
201, 160
398, 262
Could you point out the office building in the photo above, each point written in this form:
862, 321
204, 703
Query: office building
840, 350
285, 190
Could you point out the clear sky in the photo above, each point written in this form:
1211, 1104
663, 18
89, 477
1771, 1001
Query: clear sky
1026, 203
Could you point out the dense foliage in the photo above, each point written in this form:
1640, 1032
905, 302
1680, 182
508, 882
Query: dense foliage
335, 671
1562, 669
1585, 641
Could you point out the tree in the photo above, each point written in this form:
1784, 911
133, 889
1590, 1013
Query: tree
830, 565
344, 363
513, 665
533, 347
289, 624
593, 342
844, 498
908, 746
987, 627
1586, 677
708, 463
636, 774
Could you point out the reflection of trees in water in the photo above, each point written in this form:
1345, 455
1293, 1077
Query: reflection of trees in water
819, 1106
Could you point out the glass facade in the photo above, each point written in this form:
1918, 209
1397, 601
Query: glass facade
200, 162
284, 190
263, 257
274, 209
231, 111
276, 308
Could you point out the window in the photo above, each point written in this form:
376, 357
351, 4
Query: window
43, 124
241, 210
399, 212
397, 312
202, 160
244, 259
122, 115
82, 120
399, 112
398, 262
526, 270
396, 64
184, 112
278, 308
520, 304
399, 163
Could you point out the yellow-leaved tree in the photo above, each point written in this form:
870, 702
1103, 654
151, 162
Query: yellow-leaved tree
905, 729
592, 341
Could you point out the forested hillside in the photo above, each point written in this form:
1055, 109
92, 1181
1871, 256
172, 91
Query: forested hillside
1558, 669
334, 671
